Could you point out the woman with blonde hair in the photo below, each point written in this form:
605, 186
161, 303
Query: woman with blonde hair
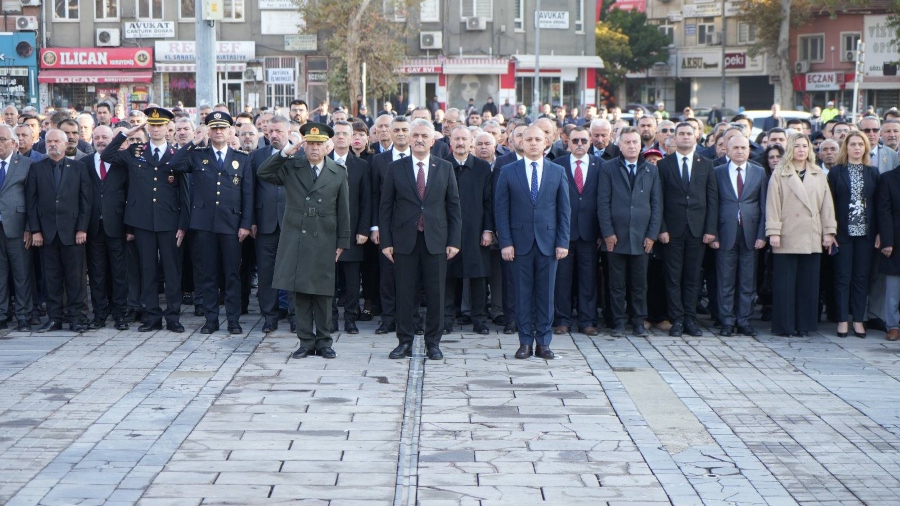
799, 222
852, 182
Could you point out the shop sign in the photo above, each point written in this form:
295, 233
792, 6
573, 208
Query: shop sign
824, 81
185, 51
880, 46
280, 76
301, 42
14, 84
419, 69
702, 10
317, 77
700, 64
743, 61
93, 57
277, 4
553, 20
149, 29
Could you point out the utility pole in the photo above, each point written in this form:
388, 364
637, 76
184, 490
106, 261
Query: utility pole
724, 39
206, 14
536, 107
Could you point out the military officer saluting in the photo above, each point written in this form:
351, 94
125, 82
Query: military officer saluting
156, 212
221, 213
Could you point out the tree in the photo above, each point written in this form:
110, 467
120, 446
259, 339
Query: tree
626, 43
355, 33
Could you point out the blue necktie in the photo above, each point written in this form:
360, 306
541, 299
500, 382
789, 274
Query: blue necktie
220, 161
534, 183
2, 172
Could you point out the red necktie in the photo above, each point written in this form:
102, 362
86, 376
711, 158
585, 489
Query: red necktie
579, 177
102, 170
420, 187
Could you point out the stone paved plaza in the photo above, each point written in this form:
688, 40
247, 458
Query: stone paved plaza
114, 417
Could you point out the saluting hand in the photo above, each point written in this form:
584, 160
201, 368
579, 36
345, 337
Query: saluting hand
199, 136
134, 130
290, 149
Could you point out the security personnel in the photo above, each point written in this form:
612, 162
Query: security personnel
157, 212
221, 213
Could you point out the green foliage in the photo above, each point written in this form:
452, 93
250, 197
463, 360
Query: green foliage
626, 43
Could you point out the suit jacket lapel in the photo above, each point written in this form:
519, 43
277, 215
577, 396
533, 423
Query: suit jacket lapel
522, 176
328, 172
304, 173
409, 171
13, 167
432, 177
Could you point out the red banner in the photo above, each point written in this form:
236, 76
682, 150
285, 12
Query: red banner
134, 58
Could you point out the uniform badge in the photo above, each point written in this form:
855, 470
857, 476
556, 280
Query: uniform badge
171, 178
236, 180
205, 161
235, 164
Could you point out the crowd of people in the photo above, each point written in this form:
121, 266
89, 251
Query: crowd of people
541, 227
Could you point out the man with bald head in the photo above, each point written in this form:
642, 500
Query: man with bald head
548, 126
16, 239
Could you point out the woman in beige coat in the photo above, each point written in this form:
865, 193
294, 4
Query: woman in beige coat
799, 222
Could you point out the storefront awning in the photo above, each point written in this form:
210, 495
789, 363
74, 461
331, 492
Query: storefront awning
94, 76
560, 61
192, 67
476, 66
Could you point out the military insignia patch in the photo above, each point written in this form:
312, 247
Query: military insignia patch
235, 164
205, 162
236, 180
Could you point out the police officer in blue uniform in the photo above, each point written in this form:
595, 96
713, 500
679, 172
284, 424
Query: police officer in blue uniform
156, 214
221, 213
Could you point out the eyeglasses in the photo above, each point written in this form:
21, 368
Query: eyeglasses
870, 130
579, 141
667, 130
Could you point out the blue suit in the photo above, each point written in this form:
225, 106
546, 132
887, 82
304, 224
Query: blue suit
535, 230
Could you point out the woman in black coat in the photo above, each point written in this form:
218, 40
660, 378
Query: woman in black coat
888, 196
853, 182
771, 157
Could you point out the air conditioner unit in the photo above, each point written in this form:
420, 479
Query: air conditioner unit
109, 37
431, 40
24, 23
714, 39
30, 3
801, 67
850, 55
476, 24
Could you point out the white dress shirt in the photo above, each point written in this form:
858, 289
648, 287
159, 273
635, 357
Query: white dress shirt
396, 154
585, 163
424, 168
96, 164
690, 163
540, 170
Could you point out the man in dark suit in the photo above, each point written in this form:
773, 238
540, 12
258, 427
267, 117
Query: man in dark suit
579, 267
58, 197
317, 228
690, 218
511, 326
601, 140
267, 221
420, 224
629, 208
107, 271
15, 254
221, 213
741, 233
157, 211
473, 263
360, 200
532, 218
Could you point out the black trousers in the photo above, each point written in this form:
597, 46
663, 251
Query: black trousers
711, 280
477, 298
248, 265
133, 265
509, 293
155, 249
107, 274
852, 267
575, 275
795, 293
657, 306
634, 267
220, 253
16, 272
369, 270
266, 248
350, 275
62, 267
684, 260
387, 289
408, 270
313, 310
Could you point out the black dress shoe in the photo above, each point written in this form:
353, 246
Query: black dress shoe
23, 326
639, 330
692, 328
677, 330
209, 327
861, 335
175, 327
481, 328
511, 328
235, 328
727, 331
301, 352
464, 320
403, 350
97, 323
198, 311
747, 331
129, 315
187, 298
385, 327
842, 334
365, 316
293, 324
350, 327
419, 329
269, 327
546, 353
801, 333
50, 326
619, 331
34, 320
121, 324
500, 320
448, 328
433, 352
77, 326
139, 316
524, 351
150, 326
326, 353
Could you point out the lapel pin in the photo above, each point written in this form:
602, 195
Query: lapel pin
235, 164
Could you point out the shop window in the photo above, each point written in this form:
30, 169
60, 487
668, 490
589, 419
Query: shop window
65, 10
812, 48
106, 9
463, 87
280, 94
149, 9
180, 86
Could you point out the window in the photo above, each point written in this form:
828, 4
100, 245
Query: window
65, 10
746, 33
149, 9
394, 10
668, 31
519, 22
106, 9
706, 30
234, 10
186, 9
477, 8
848, 45
430, 11
812, 48
579, 16
281, 94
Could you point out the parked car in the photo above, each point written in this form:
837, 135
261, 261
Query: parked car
703, 112
759, 117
